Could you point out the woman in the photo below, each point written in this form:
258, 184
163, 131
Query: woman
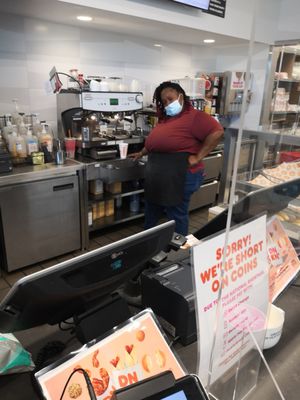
176, 148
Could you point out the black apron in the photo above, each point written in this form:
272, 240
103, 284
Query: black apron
165, 178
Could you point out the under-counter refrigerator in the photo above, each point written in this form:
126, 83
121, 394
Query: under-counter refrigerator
39, 220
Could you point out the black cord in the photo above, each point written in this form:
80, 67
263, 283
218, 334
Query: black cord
295, 284
88, 382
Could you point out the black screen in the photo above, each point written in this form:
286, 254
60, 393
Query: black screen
71, 287
202, 4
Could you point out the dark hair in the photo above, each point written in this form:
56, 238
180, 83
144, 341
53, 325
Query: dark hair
157, 96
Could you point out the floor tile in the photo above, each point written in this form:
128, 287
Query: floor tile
3, 284
3, 293
32, 269
13, 277
65, 257
49, 263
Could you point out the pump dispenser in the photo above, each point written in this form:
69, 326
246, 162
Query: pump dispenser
46, 139
31, 142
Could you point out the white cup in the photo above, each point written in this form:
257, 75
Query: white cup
123, 147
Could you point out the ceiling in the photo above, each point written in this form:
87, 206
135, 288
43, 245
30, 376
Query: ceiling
65, 13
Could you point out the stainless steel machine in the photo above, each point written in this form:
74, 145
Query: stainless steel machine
99, 120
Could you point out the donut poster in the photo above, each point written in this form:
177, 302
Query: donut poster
134, 352
282, 257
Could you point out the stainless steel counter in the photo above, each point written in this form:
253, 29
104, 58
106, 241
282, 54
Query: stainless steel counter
30, 173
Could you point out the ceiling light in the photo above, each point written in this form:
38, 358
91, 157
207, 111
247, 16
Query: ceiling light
209, 40
157, 45
84, 18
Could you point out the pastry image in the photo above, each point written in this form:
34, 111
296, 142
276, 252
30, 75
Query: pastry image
130, 356
95, 360
160, 358
100, 385
147, 363
74, 390
140, 335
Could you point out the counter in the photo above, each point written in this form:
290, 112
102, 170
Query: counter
30, 173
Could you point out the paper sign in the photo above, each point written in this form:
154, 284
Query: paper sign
237, 81
244, 300
283, 259
134, 352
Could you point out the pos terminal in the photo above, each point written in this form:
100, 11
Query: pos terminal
164, 387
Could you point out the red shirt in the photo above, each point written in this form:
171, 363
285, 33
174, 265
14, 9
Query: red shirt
184, 132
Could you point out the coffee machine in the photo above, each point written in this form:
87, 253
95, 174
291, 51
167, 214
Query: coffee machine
99, 120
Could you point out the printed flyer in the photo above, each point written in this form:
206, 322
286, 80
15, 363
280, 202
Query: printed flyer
244, 299
283, 259
132, 353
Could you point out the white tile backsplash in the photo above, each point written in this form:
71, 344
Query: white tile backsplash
30, 47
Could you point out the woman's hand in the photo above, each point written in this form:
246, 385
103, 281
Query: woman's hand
135, 156
193, 160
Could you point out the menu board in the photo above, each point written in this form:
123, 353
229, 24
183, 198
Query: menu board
217, 8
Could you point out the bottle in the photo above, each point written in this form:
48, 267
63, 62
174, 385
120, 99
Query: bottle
8, 129
46, 139
134, 204
36, 125
22, 129
21, 147
12, 144
59, 155
31, 142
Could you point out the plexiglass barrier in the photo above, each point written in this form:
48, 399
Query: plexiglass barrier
244, 276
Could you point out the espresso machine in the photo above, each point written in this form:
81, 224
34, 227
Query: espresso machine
99, 120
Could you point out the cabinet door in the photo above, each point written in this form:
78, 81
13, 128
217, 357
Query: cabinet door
40, 220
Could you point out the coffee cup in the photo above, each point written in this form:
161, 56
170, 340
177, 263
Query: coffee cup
70, 144
123, 147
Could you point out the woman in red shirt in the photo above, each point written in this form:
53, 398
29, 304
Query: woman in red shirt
176, 148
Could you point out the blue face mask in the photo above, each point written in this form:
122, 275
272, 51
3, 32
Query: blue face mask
173, 108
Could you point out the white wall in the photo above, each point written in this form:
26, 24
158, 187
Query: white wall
288, 25
237, 22
30, 47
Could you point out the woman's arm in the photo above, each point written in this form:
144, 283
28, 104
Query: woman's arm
210, 143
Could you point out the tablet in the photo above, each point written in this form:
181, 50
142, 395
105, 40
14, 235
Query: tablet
187, 388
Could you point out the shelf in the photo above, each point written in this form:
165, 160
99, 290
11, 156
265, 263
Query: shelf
288, 80
118, 217
284, 112
108, 196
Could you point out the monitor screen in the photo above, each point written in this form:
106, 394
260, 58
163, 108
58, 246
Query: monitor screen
69, 288
202, 4
270, 200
